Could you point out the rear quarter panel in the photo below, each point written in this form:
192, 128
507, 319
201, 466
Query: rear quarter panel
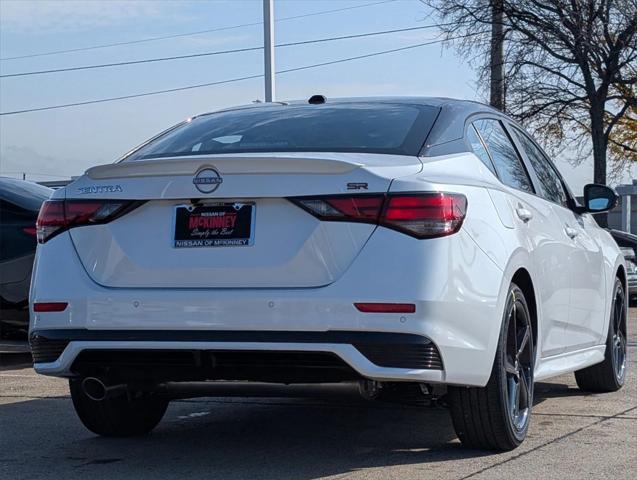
476, 307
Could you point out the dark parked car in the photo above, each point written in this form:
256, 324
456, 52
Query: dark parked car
624, 239
631, 267
19, 205
627, 242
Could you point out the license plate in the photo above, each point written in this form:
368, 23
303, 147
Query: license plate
221, 225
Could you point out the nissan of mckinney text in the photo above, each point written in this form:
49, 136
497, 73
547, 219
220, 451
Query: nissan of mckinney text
383, 241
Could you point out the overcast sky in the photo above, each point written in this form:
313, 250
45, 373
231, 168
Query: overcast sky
64, 142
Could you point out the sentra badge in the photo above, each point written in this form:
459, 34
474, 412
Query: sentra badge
100, 189
207, 180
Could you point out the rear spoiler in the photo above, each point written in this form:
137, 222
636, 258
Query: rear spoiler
229, 164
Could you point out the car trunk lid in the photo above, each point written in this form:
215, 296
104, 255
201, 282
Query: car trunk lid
277, 244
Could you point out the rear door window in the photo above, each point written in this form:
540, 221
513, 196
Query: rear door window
505, 157
551, 185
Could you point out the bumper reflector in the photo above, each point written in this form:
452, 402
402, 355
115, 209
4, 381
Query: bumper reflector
386, 307
50, 306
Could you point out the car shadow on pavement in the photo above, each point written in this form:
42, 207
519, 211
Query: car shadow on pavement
240, 439
544, 390
232, 438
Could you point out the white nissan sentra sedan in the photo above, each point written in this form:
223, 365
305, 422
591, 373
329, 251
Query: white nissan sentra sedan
378, 240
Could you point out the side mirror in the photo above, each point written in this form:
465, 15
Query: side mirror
599, 198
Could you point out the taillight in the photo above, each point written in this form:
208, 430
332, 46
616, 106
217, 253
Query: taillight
425, 216
57, 216
421, 215
351, 208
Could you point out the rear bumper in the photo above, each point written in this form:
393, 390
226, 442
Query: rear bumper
456, 288
230, 355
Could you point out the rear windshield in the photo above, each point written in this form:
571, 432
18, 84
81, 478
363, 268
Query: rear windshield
355, 127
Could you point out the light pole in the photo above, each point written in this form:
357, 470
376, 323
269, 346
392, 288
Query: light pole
497, 56
268, 49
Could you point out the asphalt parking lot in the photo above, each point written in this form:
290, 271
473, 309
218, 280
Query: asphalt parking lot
310, 433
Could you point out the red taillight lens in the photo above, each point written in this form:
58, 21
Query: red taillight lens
51, 220
425, 215
361, 208
421, 215
57, 216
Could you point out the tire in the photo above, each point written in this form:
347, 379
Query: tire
610, 375
497, 416
118, 416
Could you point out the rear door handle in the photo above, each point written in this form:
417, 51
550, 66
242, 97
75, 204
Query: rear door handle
571, 232
523, 214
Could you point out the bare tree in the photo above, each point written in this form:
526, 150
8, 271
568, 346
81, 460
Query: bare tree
622, 142
570, 68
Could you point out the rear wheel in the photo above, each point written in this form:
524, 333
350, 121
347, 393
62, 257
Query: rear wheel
609, 376
496, 416
121, 416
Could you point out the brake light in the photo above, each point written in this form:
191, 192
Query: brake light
57, 216
425, 216
421, 215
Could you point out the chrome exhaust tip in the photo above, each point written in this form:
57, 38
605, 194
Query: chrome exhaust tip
98, 391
